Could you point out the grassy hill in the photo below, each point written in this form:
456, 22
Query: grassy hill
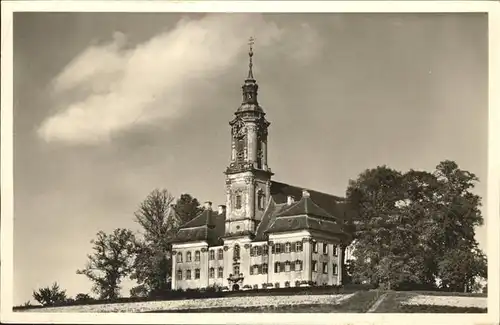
288, 300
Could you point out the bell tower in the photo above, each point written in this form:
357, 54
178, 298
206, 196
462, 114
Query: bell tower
248, 177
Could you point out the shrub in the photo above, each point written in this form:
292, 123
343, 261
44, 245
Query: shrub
49, 296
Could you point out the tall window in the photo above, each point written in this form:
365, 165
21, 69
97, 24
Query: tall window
258, 250
315, 247
220, 254
325, 268
260, 200
197, 273
211, 273
237, 204
220, 272
325, 248
298, 246
179, 257
315, 266
188, 274
179, 275
197, 256
252, 251
288, 247
335, 250
255, 269
212, 255
277, 267
264, 268
298, 265
287, 266
277, 248
335, 269
236, 270
237, 251
188, 257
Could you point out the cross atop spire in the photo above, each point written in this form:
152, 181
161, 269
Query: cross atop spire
251, 42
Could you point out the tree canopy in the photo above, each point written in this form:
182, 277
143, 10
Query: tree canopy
159, 219
415, 227
110, 262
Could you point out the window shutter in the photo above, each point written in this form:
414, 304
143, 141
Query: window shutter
292, 247
273, 249
282, 267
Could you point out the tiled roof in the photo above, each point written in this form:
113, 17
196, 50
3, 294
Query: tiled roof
317, 211
306, 206
269, 215
334, 205
207, 226
306, 215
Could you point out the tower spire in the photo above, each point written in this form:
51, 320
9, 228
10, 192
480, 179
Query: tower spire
251, 42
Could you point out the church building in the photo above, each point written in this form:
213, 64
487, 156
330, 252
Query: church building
268, 234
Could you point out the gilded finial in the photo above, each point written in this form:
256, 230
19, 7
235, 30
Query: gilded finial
251, 41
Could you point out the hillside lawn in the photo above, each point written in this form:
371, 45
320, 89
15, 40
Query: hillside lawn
291, 300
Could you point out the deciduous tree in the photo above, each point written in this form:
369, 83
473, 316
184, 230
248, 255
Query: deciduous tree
110, 262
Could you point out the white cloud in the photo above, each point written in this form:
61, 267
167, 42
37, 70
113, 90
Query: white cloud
121, 85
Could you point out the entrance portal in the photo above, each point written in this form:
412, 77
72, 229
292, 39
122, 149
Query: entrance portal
236, 287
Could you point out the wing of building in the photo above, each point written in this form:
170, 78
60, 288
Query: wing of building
268, 234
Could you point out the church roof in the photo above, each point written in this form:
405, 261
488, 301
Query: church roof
207, 226
334, 205
306, 215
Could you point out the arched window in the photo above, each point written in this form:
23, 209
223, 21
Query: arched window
220, 254
277, 267
179, 257
287, 266
288, 247
255, 269
188, 257
258, 250
335, 250
298, 246
179, 275
188, 274
325, 248
197, 273
277, 248
260, 200
265, 250
315, 247
335, 269
298, 265
237, 201
211, 273
264, 268
236, 253
220, 272
212, 255
252, 251
197, 256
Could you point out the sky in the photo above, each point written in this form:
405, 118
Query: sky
109, 106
